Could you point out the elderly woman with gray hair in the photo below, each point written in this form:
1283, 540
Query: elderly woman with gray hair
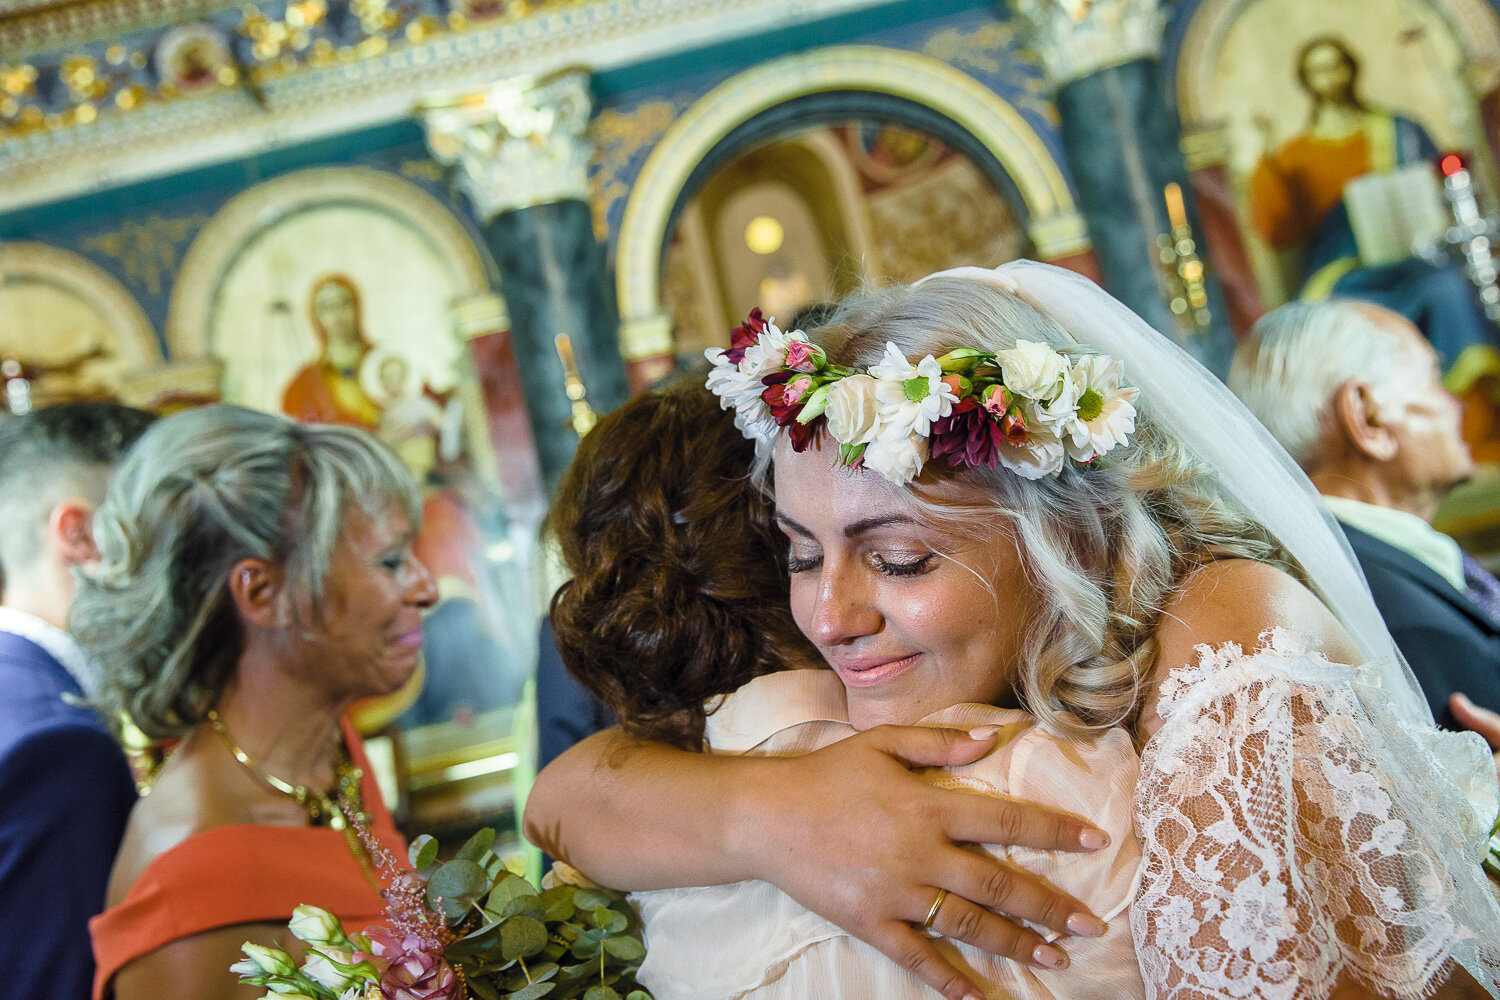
256, 579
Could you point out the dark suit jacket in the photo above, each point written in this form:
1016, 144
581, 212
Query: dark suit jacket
65, 792
566, 712
1450, 643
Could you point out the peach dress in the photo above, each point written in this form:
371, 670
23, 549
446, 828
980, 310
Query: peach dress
750, 939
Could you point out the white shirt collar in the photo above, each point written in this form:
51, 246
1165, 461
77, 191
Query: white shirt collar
58, 644
1407, 532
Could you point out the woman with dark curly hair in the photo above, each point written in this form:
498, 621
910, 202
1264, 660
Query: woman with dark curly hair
679, 587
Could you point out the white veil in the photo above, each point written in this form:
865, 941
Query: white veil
1189, 402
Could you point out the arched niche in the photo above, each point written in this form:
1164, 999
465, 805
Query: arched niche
819, 87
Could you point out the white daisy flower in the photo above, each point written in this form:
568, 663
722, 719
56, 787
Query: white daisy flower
911, 396
1105, 409
740, 390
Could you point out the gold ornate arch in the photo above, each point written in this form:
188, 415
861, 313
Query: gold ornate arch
1055, 225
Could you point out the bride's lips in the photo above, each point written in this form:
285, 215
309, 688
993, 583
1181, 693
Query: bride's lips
412, 638
870, 672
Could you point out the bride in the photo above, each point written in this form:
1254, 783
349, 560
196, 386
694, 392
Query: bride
1005, 524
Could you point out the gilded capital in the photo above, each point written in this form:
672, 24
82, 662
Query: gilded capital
514, 143
1077, 38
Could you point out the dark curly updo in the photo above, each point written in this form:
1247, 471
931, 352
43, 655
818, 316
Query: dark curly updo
679, 588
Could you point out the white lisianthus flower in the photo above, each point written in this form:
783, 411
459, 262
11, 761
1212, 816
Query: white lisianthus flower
316, 926
896, 457
1058, 413
266, 961
911, 396
852, 410
1039, 457
1106, 410
740, 391
1031, 369
319, 968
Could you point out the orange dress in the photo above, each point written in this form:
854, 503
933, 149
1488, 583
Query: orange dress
244, 874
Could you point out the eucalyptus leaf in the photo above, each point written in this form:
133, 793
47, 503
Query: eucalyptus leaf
558, 904
507, 888
601, 993
525, 906
543, 971
637, 995
534, 991
478, 846
522, 937
483, 990
625, 948
458, 879
587, 947
423, 851
591, 899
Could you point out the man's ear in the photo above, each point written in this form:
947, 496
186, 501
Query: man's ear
257, 586
1357, 416
71, 527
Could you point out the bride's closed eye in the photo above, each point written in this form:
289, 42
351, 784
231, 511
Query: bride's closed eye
904, 566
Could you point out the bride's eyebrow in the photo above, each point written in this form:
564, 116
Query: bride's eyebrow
850, 530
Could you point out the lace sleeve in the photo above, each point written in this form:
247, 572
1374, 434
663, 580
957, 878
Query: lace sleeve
1296, 835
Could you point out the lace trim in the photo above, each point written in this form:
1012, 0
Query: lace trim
1297, 835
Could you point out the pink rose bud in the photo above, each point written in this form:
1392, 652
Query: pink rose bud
997, 401
955, 384
802, 356
796, 389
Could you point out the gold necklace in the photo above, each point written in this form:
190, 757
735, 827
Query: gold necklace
322, 809
341, 814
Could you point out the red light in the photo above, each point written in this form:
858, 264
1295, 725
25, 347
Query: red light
1451, 164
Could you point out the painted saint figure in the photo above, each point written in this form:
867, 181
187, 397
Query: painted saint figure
1297, 202
327, 391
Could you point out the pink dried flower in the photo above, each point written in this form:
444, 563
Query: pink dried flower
406, 909
415, 971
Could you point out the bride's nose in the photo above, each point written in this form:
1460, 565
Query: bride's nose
845, 608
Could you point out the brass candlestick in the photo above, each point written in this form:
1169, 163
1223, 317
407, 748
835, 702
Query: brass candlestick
584, 417
1184, 268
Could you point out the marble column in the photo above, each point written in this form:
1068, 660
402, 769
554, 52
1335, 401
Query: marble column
519, 151
1121, 139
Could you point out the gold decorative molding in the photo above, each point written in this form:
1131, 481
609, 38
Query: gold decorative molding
913, 76
149, 249
1077, 38
285, 102
515, 143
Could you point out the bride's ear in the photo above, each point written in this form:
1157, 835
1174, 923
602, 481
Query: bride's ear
257, 587
1357, 415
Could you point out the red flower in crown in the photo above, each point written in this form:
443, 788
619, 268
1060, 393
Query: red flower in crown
968, 436
784, 395
743, 336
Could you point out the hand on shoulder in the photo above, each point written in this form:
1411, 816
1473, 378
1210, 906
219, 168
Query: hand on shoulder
1235, 600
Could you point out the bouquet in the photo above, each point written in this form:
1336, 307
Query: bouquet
461, 929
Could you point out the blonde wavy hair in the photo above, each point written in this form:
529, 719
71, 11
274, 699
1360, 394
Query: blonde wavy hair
202, 490
1106, 546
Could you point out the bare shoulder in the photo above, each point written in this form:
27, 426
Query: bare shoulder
194, 793
1236, 600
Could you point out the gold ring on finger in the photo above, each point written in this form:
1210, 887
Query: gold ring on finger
936, 905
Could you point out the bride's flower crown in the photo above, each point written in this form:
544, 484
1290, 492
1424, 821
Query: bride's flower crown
1029, 408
